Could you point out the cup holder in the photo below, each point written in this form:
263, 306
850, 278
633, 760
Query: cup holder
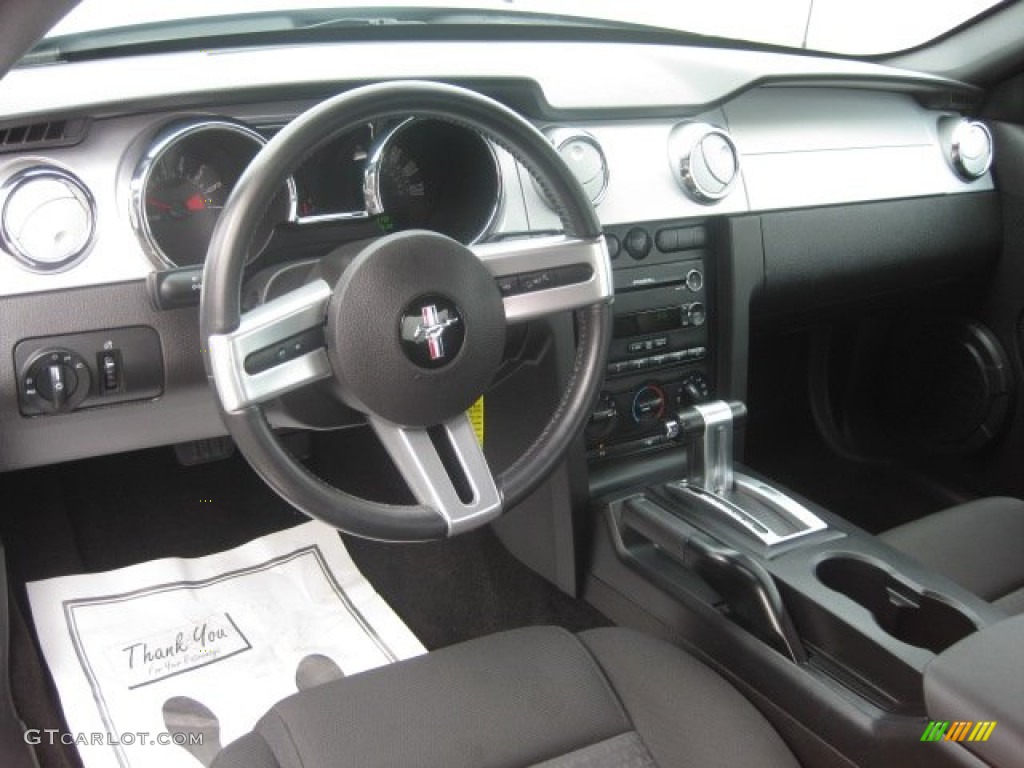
904, 612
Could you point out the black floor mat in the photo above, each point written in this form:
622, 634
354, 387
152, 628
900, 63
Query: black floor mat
108, 513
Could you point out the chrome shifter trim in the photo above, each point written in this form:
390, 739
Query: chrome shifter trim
713, 485
712, 470
732, 508
772, 497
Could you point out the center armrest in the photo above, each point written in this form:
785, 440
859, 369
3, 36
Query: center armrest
981, 679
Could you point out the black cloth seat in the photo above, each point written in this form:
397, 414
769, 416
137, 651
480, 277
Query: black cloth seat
979, 545
530, 697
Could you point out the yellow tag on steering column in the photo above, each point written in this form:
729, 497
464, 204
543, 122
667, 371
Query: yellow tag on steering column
476, 418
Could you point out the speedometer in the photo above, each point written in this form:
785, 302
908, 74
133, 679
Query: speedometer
432, 174
183, 181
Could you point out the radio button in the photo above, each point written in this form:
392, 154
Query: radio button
661, 342
637, 243
614, 246
694, 280
696, 314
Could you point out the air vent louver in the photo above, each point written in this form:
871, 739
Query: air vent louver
52, 133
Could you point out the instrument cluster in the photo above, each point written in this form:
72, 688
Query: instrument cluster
417, 173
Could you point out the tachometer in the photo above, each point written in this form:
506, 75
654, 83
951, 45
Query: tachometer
182, 183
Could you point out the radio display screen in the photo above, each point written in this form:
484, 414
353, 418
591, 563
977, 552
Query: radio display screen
642, 323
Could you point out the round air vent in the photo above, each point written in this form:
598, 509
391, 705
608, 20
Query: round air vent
47, 218
585, 158
704, 161
970, 149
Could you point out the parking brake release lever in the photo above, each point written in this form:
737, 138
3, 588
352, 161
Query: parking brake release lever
747, 588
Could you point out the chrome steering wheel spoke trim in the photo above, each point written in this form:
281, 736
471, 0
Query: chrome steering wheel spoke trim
419, 461
268, 328
546, 263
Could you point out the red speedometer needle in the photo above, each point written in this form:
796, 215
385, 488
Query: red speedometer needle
157, 203
195, 203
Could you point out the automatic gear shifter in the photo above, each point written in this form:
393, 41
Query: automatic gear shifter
713, 487
678, 520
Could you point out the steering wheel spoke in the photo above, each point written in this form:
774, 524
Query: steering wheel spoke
276, 348
445, 468
541, 276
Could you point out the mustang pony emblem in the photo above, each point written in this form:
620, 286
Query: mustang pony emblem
432, 329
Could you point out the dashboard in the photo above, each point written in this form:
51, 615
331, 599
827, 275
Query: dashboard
108, 202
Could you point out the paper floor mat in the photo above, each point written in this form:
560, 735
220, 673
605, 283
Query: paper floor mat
181, 650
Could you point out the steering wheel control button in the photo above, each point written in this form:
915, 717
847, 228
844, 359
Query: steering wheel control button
288, 349
511, 285
508, 285
637, 243
415, 329
432, 331
536, 281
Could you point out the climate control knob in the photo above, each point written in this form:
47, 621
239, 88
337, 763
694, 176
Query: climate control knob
693, 389
649, 403
604, 418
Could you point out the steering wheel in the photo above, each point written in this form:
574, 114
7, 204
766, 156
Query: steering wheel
412, 331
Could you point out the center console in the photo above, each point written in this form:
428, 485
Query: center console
829, 627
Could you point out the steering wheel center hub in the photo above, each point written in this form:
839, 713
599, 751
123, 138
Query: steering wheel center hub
416, 329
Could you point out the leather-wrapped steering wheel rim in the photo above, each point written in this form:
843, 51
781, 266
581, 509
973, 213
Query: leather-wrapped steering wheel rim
228, 335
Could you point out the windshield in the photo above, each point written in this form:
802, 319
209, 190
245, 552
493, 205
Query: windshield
854, 27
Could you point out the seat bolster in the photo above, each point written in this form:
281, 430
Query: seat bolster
979, 545
1012, 602
251, 751
685, 713
504, 701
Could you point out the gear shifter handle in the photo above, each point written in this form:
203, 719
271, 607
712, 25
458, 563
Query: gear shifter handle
708, 429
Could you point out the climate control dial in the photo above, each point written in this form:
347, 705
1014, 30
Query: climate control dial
604, 418
693, 389
649, 403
